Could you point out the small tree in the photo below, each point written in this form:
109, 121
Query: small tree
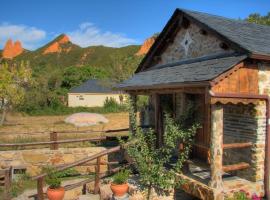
122, 67
153, 163
13, 80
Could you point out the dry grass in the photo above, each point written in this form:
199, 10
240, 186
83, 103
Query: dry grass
38, 127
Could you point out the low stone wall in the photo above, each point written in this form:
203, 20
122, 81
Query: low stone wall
33, 160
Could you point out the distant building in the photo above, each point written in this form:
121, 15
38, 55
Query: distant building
92, 93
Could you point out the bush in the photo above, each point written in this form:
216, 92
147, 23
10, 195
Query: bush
121, 177
239, 196
52, 178
111, 105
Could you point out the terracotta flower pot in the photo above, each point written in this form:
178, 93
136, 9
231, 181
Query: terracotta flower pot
119, 190
56, 194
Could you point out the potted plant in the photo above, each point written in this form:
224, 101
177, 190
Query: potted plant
54, 191
119, 185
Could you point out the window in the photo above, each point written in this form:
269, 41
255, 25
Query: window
81, 97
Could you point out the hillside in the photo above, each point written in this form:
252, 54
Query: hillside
61, 65
68, 54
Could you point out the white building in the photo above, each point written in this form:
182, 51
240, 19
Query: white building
92, 93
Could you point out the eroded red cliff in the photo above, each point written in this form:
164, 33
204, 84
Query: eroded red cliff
11, 49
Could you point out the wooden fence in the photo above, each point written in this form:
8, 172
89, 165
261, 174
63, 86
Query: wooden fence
98, 176
54, 141
6, 174
5, 181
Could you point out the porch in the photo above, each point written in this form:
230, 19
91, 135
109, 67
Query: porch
228, 153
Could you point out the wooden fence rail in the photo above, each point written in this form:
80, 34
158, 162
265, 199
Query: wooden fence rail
40, 178
54, 141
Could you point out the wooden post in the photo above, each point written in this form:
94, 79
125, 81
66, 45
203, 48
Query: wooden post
216, 151
133, 99
158, 130
97, 176
40, 183
84, 189
53, 137
7, 184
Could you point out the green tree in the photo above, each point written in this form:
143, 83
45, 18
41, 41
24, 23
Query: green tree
259, 19
14, 78
153, 164
122, 67
74, 76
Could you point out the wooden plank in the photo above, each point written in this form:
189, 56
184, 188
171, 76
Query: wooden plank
40, 184
243, 80
253, 79
97, 174
53, 138
235, 167
237, 145
52, 142
7, 184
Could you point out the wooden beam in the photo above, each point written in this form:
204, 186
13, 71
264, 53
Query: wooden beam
52, 142
97, 176
40, 184
235, 167
237, 145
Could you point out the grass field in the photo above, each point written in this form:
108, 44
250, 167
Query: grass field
36, 128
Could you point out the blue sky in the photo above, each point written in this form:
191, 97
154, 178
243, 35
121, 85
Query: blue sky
105, 22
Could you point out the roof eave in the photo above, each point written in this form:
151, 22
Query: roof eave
259, 56
166, 86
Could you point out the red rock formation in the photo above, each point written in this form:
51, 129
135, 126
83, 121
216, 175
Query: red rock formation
12, 50
55, 47
64, 39
146, 46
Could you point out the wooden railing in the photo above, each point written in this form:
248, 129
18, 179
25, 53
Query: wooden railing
5, 180
54, 141
232, 167
97, 178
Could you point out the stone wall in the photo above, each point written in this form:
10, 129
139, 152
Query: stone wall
245, 123
33, 160
190, 43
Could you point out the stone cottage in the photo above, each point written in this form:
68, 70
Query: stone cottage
223, 67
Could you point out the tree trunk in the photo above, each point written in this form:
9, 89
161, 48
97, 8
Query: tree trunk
3, 117
149, 190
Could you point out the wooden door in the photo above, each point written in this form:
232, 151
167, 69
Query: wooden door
201, 139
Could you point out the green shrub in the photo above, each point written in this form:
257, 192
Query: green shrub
52, 178
121, 177
67, 173
239, 196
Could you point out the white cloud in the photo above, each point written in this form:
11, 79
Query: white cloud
89, 35
29, 36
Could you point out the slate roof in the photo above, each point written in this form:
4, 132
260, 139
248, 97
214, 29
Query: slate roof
192, 70
252, 37
92, 86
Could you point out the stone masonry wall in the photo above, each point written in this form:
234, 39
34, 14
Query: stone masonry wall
245, 123
33, 160
190, 43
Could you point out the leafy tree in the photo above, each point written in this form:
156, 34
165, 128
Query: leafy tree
14, 79
153, 164
122, 67
74, 76
258, 19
